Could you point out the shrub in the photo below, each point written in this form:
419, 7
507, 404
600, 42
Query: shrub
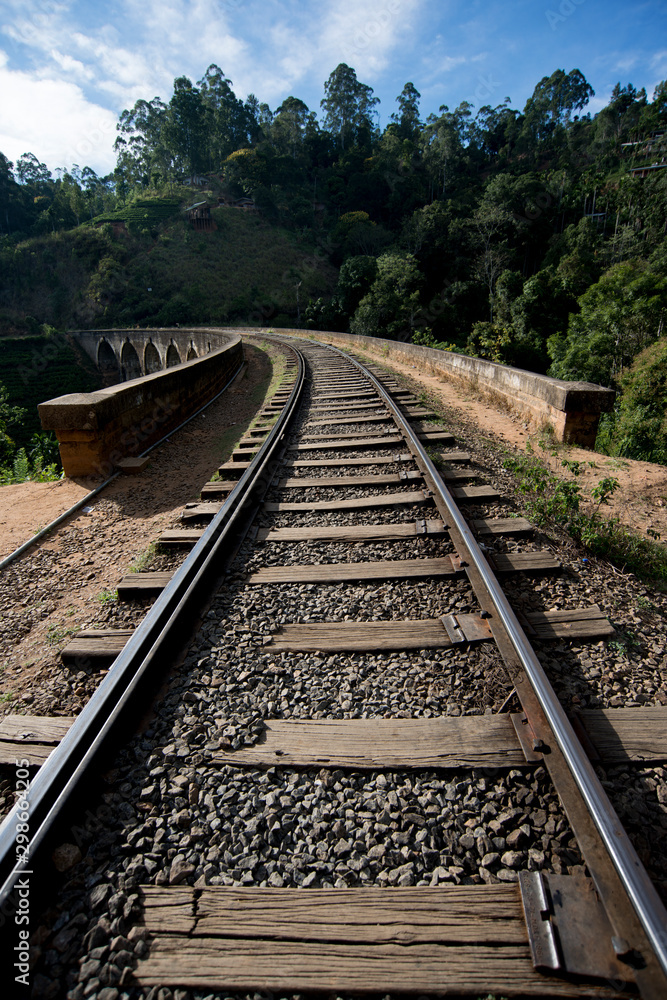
641, 426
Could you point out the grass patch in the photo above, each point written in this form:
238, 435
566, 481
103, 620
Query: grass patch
58, 633
227, 441
554, 501
144, 559
107, 596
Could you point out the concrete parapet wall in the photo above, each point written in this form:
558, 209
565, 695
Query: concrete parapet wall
97, 430
572, 409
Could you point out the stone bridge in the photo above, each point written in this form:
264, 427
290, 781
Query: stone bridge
122, 355
99, 432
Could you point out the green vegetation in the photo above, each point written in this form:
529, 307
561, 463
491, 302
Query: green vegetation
143, 561
56, 634
531, 237
34, 368
107, 596
144, 213
551, 500
165, 274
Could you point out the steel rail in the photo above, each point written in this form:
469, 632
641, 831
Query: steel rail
634, 877
66, 764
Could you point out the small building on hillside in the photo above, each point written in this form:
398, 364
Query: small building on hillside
245, 204
647, 169
199, 215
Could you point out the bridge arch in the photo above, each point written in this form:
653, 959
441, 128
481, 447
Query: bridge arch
107, 362
129, 362
152, 361
173, 357
192, 354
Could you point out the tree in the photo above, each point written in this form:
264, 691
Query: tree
495, 128
185, 128
139, 144
622, 115
407, 122
390, 308
356, 233
489, 229
348, 106
290, 126
10, 210
640, 430
10, 416
619, 316
30, 171
654, 115
354, 280
230, 123
541, 310
553, 102
444, 142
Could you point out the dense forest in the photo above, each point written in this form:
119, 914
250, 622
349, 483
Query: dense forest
537, 238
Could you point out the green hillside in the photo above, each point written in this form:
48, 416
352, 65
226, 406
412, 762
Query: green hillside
161, 271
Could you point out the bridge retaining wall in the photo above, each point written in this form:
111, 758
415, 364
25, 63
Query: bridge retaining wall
97, 430
571, 409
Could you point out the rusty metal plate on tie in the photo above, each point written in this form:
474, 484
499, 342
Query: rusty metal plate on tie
475, 628
568, 929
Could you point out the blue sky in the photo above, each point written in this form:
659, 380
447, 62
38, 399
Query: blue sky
69, 67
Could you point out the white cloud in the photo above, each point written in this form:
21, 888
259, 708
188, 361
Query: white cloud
365, 35
72, 66
53, 120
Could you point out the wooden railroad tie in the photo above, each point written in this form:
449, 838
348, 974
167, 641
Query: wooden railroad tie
31, 737
358, 532
136, 585
99, 647
316, 463
467, 939
613, 736
381, 417
356, 441
434, 633
393, 569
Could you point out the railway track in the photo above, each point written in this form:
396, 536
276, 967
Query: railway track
307, 808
